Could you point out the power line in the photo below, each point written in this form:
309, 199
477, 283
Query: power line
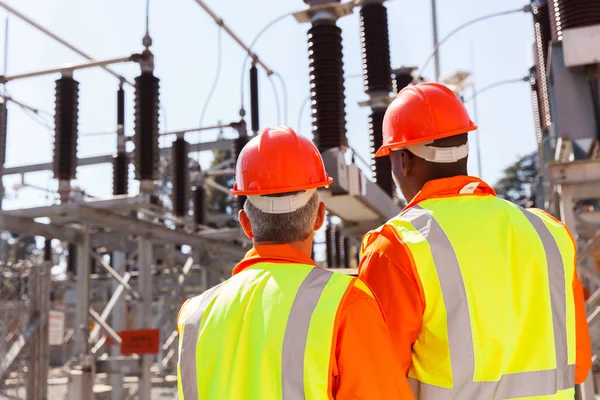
214, 85
526, 8
493, 85
277, 105
252, 44
285, 97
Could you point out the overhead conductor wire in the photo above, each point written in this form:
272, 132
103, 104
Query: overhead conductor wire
214, 85
244, 65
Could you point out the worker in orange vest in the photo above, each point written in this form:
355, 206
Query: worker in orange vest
481, 296
281, 327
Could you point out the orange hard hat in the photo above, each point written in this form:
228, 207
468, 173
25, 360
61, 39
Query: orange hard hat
279, 161
423, 113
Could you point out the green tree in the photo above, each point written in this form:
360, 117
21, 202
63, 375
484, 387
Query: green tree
512, 186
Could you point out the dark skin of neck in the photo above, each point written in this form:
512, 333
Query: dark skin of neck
411, 173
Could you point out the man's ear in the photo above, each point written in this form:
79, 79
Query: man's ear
406, 161
245, 223
320, 217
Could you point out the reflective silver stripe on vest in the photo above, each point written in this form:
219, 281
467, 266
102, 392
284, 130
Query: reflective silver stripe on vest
187, 361
460, 337
296, 333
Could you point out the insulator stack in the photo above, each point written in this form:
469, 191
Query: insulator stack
330, 252
72, 260
65, 128
346, 252
327, 85
199, 205
339, 247
238, 145
146, 127
381, 166
401, 80
254, 110
48, 250
120, 174
566, 14
542, 32
3, 131
375, 48
181, 176
535, 97
121, 108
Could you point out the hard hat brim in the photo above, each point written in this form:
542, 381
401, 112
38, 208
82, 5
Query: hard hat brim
386, 149
263, 192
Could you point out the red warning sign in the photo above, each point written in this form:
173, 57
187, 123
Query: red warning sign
142, 341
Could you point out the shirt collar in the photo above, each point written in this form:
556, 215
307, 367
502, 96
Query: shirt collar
279, 253
447, 187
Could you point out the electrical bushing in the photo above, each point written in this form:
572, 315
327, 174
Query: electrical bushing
181, 176
48, 250
254, 110
339, 246
346, 252
329, 246
535, 95
3, 132
121, 107
238, 145
65, 128
146, 126
567, 14
199, 205
120, 174
375, 42
401, 80
72, 260
326, 70
381, 167
542, 32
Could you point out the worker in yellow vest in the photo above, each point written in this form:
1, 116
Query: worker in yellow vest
282, 328
481, 296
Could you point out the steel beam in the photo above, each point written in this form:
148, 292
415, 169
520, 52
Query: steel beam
83, 295
574, 172
144, 312
73, 67
115, 274
222, 144
27, 226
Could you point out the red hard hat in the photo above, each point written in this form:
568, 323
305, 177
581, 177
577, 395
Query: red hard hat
279, 161
423, 113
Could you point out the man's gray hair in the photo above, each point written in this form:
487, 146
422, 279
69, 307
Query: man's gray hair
295, 226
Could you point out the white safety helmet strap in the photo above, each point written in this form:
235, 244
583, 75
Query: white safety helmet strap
439, 154
282, 205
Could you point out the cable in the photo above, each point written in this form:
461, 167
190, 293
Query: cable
258, 35
148, 17
214, 85
493, 85
276, 102
526, 8
285, 97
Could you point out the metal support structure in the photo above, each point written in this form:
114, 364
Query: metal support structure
82, 324
144, 313
118, 324
221, 144
73, 67
39, 292
434, 27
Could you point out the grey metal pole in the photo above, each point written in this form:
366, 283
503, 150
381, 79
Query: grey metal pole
83, 295
118, 324
477, 136
144, 312
434, 26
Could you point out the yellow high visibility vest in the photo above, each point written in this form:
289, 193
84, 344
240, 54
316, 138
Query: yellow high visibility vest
266, 333
499, 318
